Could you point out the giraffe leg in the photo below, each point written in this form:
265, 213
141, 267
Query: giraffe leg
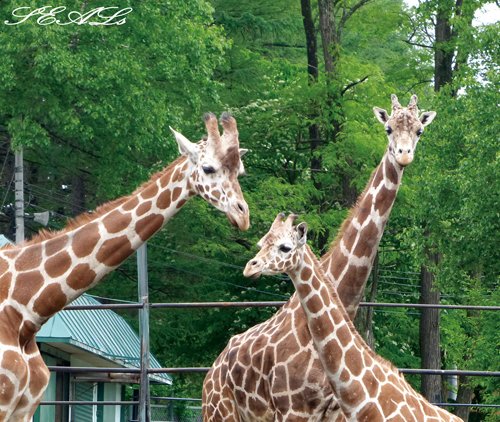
13, 382
38, 379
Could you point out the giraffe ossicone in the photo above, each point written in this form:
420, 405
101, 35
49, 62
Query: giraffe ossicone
368, 388
283, 343
39, 277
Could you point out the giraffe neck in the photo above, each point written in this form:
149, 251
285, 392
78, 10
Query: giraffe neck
350, 259
50, 272
342, 351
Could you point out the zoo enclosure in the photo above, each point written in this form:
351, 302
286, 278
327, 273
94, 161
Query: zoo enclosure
144, 405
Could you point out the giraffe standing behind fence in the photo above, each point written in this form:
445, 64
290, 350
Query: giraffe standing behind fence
40, 277
284, 361
368, 388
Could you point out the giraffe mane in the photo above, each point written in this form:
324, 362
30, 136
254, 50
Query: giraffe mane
87, 217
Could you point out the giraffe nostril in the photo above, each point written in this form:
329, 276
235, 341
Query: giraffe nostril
400, 150
241, 208
409, 151
253, 263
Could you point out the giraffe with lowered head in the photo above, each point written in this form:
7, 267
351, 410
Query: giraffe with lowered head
368, 387
283, 359
40, 277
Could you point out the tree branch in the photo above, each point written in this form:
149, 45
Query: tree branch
351, 11
417, 44
353, 84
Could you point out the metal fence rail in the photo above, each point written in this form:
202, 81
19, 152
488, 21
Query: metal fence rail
145, 402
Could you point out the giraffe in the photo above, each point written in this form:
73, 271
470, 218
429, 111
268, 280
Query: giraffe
283, 341
39, 277
368, 387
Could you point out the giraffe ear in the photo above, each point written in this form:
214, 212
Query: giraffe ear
243, 151
301, 234
427, 117
381, 115
186, 147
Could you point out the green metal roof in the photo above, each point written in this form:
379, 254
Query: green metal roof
4, 241
101, 332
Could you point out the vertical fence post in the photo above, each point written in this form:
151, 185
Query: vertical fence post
142, 273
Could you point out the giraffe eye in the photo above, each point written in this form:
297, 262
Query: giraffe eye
284, 248
419, 132
388, 129
208, 169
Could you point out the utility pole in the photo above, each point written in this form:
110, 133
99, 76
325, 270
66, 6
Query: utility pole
142, 274
19, 195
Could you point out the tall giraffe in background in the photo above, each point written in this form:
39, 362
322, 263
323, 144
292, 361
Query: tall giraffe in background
368, 387
279, 354
40, 277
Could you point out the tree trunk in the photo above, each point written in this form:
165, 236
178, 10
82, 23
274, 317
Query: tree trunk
430, 349
313, 71
443, 50
465, 395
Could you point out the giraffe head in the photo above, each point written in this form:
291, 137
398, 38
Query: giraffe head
281, 249
404, 127
215, 167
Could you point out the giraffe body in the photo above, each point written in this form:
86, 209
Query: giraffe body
40, 277
284, 341
368, 388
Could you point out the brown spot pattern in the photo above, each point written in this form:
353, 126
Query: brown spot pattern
150, 191
176, 193
314, 304
39, 375
344, 335
385, 199
10, 321
306, 273
180, 204
149, 225
114, 251
7, 388
27, 332
370, 383
116, 222
30, 258
333, 358
58, 264
390, 172
85, 240
27, 284
353, 394
163, 201
130, 204
370, 413
365, 208
5, 282
349, 237
4, 265
354, 361
338, 263
143, 208
81, 276
368, 238
55, 245
51, 300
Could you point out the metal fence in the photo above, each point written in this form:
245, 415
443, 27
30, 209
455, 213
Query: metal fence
163, 409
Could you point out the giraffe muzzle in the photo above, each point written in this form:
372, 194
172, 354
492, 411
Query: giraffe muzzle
239, 216
253, 269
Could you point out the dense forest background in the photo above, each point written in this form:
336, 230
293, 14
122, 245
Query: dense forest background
91, 107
